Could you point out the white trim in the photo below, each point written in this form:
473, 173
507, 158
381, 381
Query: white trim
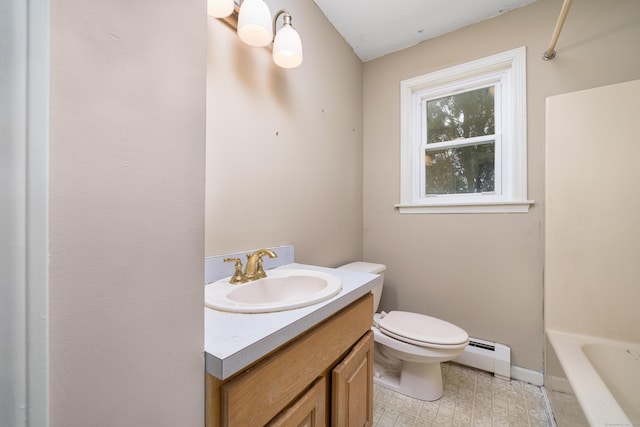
476, 140
477, 207
507, 69
13, 370
38, 112
24, 218
527, 375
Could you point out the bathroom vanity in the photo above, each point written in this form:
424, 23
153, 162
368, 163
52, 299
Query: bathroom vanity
307, 366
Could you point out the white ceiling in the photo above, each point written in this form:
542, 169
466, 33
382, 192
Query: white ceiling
375, 28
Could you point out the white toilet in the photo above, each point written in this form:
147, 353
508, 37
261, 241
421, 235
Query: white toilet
409, 346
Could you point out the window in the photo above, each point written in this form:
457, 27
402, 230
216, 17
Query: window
463, 138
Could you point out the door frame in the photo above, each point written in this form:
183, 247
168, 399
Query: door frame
24, 127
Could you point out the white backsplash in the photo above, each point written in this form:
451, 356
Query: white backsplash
215, 268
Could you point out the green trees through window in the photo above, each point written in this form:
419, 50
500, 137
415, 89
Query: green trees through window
460, 137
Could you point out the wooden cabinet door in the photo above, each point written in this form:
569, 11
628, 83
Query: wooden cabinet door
352, 386
256, 396
307, 411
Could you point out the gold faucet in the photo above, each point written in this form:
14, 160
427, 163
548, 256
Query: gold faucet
254, 269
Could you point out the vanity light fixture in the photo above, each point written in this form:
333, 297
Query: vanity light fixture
287, 46
220, 8
252, 21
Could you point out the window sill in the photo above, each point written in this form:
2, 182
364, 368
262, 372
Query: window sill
475, 207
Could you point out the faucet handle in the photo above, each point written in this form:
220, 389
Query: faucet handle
237, 277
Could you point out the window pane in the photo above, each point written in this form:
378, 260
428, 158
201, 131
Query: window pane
460, 170
465, 115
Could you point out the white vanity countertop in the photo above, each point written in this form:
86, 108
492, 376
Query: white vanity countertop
233, 341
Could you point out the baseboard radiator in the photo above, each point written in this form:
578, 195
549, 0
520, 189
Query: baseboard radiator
488, 356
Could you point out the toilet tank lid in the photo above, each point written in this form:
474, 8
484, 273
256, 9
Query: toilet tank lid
365, 267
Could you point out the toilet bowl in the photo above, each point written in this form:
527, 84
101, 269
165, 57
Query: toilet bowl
409, 347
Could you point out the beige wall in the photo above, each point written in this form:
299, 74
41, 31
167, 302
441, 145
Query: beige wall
284, 147
484, 272
592, 232
126, 213
284, 163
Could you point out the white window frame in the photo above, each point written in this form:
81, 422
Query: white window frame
507, 72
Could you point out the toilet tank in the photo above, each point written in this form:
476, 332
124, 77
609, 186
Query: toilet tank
372, 268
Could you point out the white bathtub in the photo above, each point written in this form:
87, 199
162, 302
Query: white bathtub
604, 375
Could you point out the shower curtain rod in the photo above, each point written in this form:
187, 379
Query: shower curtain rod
550, 53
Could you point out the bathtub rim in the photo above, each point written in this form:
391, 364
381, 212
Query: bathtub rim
597, 402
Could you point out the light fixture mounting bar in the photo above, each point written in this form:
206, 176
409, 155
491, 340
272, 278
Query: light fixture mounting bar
286, 18
232, 20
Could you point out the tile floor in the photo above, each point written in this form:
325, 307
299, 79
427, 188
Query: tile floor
471, 398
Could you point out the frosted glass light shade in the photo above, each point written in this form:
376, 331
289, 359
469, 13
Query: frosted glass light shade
219, 8
287, 47
254, 23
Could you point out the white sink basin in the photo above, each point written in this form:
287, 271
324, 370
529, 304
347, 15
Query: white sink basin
282, 289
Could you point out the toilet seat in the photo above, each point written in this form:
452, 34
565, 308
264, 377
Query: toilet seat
422, 330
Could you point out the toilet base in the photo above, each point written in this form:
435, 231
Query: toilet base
421, 381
